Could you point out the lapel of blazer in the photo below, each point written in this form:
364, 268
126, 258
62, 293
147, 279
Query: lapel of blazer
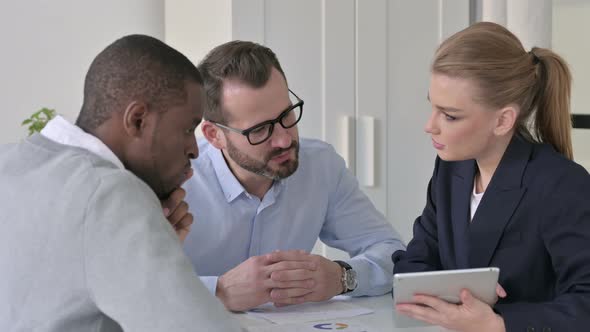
498, 203
462, 186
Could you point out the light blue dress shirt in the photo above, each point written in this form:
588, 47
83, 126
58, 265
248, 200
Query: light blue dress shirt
321, 199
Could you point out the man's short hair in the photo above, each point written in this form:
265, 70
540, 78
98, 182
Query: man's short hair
245, 61
135, 67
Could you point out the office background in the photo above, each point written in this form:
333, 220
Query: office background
362, 66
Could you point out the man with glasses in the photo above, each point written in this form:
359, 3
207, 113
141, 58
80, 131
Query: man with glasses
262, 197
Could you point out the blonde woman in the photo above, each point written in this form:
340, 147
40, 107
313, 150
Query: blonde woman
504, 191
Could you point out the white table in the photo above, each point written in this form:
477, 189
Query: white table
383, 319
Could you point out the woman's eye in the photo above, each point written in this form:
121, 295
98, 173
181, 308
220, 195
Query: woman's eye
449, 117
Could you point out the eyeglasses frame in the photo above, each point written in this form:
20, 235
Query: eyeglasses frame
246, 132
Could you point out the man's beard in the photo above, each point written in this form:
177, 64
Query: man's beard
285, 169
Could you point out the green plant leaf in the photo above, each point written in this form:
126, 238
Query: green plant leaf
38, 120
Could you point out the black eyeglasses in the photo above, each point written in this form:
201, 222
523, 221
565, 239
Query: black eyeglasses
259, 133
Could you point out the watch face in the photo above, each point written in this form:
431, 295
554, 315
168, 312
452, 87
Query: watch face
351, 282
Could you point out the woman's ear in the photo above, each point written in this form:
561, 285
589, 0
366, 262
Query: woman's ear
213, 134
506, 120
135, 119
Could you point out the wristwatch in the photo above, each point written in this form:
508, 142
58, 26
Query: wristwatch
349, 281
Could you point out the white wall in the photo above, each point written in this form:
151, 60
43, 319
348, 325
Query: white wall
194, 27
571, 26
47, 47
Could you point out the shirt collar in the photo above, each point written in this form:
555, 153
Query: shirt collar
232, 188
61, 131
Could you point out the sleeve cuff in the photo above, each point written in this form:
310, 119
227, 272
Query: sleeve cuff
211, 283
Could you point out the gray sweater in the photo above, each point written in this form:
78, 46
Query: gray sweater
84, 246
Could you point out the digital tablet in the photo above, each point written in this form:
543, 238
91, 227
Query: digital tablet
447, 285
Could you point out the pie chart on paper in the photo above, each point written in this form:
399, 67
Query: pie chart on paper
331, 326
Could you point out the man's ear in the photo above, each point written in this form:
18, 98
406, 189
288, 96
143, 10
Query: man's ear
213, 134
506, 120
135, 118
